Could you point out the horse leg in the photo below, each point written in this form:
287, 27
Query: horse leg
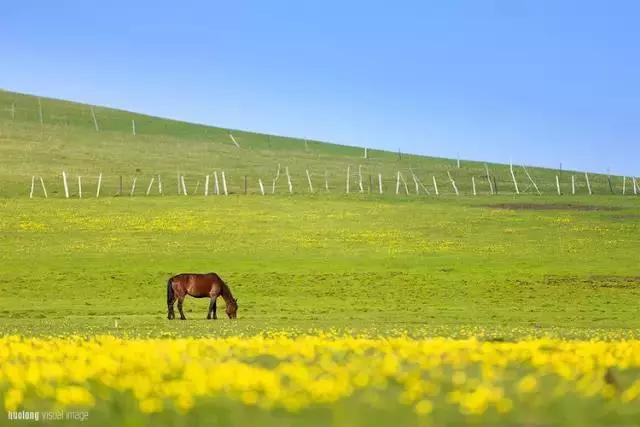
180, 301
212, 308
170, 313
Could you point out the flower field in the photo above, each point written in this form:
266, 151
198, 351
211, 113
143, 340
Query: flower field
431, 380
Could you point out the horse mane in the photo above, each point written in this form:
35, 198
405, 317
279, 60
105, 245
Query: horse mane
226, 291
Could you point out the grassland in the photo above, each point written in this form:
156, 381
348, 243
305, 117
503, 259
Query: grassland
527, 275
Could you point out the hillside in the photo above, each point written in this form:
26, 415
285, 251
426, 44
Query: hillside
43, 137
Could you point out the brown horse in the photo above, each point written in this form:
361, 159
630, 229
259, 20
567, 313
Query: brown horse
199, 286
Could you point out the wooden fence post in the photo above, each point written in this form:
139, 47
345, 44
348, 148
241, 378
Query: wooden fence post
261, 186
486, 168
513, 176
133, 127
224, 184
95, 121
586, 175
44, 189
360, 178
309, 179
99, 185
453, 183
473, 184
64, 181
33, 183
624, 184
435, 185
150, 185
635, 186
289, 180
348, 177
380, 183
326, 181
573, 184
234, 140
216, 186
79, 187
184, 186
133, 186
159, 185
398, 184
206, 185
532, 181
406, 189
558, 185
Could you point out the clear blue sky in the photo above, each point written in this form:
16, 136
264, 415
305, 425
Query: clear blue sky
541, 82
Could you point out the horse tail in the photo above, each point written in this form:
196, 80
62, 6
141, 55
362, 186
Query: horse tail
170, 291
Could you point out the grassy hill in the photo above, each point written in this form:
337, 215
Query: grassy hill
43, 137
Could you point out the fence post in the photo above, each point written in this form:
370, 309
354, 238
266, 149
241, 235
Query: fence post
513, 176
95, 121
473, 184
206, 185
586, 175
453, 183
133, 127
261, 186
532, 181
99, 185
64, 181
184, 187
573, 184
398, 183
150, 185
635, 186
79, 187
224, 184
309, 179
326, 182
348, 177
558, 185
133, 186
44, 189
486, 168
216, 186
435, 185
289, 180
360, 178
380, 182
624, 184
33, 183
159, 185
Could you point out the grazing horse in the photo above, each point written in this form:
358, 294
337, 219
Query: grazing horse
199, 286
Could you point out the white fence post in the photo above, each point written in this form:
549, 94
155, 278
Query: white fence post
159, 185
44, 189
453, 183
99, 185
133, 186
64, 181
95, 121
150, 186
224, 184
406, 189
206, 185
216, 186
234, 140
486, 168
586, 175
326, 182
184, 187
435, 185
573, 184
558, 185
79, 187
532, 181
309, 179
398, 183
261, 186
380, 183
513, 176
635, 186
360, 178
133, 127
473, 184
289, 180
348, 177
624, 184
33, 183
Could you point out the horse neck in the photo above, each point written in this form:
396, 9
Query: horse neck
226, 293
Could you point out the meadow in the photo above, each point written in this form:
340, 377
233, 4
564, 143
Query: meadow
355, 309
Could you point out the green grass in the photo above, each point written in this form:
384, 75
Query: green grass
319, 262
67, 140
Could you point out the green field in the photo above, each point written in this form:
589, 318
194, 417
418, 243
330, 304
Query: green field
499, 267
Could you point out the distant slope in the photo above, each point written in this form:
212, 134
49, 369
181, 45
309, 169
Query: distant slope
42, 137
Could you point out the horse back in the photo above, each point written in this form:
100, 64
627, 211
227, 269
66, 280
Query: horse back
196, 284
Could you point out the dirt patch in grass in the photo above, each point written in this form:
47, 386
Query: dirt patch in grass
608, 281
550, 207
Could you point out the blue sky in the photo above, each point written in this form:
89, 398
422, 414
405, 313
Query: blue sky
540, 82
